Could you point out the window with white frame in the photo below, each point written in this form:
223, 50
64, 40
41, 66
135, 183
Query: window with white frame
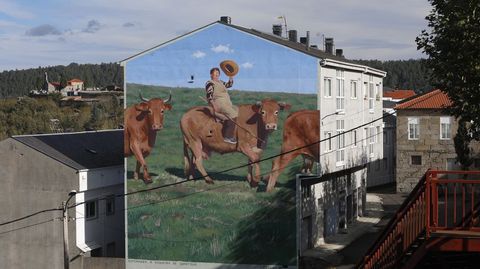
413, 129
377, 136
353, 89
354, 138
365, 90
371, 97
328, 141
91, 208
372, 139
445, 128
365, 136
340, 157
110, 205
327, 85
377, 92
340, 90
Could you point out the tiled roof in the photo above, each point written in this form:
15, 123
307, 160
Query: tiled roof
399, 94
84, 150
435, 99
75, 80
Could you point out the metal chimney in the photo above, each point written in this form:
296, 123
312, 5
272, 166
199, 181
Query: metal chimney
277, 29
339, 52
308, 40
292, 35
226, 19
329, 45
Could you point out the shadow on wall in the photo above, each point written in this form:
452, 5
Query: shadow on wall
265, 227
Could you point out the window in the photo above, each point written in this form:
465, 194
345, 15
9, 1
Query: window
378, 134
365, 90
340, 90
416, 160
413, 129
445, 128
110, 205
353, 89
306, 191
371, 95
372, 141
91, 209
328, 87
340, 142
365, 140
354, 138
377, 92
328, 137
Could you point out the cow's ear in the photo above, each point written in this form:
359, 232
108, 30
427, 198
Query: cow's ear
256, 107
284, 106
142, 107
168, 106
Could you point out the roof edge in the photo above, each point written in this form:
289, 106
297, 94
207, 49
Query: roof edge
126, 60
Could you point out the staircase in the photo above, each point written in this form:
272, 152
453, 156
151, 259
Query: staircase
441, 214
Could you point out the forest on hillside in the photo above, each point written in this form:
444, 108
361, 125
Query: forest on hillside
402, 74
15, 83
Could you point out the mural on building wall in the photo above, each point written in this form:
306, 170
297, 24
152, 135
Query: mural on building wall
207, 204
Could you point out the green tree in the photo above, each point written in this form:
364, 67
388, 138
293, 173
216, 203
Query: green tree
462, 145
452, 45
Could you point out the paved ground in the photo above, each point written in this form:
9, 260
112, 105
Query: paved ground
344, 250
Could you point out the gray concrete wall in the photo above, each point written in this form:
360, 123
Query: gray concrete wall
433, 151
97, 263
31, 182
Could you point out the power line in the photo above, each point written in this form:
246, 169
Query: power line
233, 168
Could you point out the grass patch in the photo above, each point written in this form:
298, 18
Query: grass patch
227, 222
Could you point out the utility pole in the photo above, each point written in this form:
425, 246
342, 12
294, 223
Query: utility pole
66, 250
66, 257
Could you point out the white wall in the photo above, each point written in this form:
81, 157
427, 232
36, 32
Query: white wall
102, 229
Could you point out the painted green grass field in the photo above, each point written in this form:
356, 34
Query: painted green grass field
228, 222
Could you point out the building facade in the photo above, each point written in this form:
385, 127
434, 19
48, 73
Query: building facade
37, 173
348, 96
425, 133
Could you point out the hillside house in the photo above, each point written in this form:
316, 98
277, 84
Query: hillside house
425, 133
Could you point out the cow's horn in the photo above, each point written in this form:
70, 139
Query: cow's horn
168, 99
141, 97
258, 103
282, 103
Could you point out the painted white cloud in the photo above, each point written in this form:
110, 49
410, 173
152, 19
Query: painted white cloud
222, 49
198, 54
247, 65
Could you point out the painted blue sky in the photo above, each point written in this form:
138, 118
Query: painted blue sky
264, 66
52, 32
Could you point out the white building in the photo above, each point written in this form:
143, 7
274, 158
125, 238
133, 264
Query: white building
37, 172
350, 103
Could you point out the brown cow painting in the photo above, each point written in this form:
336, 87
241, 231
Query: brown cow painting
202, 135
142, 122
301, 131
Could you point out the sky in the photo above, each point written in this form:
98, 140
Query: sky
186, 62
58, 32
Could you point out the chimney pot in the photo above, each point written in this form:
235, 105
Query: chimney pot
226, 19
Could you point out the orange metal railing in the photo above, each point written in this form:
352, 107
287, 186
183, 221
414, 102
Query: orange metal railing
441, 201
